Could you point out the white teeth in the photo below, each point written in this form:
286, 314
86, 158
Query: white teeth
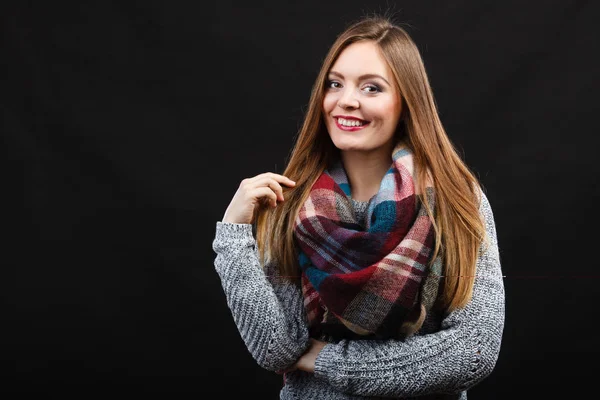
350, 122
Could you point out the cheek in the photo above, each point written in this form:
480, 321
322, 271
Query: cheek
391, 110
329, 102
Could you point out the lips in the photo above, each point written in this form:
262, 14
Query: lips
350, 124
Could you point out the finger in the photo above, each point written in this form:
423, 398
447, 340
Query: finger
264, 193
282, 179
274, 185
277, 177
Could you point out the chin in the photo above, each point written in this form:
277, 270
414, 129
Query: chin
346, 141
352, 147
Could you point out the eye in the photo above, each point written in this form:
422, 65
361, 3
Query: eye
371, 88
331, 84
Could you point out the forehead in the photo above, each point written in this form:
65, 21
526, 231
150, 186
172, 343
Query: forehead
362, 58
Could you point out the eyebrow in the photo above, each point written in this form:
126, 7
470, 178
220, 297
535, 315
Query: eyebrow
362, 77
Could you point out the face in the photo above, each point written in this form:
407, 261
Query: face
361, 106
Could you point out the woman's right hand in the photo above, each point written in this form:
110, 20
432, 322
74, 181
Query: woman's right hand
262, 187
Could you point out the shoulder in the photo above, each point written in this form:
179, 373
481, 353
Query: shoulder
485, 209
489, 247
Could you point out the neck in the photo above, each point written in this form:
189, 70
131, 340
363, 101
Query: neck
365, 170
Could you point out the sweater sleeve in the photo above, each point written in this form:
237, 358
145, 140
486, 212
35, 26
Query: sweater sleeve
451, 360
267, 310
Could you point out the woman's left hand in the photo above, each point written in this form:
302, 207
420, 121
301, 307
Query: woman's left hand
307, 361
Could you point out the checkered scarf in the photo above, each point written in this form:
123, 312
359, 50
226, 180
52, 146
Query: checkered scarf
377, 281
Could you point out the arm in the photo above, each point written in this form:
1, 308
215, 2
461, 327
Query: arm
269, 315
454, 359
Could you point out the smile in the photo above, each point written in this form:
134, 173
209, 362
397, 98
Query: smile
350, 124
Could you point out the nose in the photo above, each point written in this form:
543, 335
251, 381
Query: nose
348, 100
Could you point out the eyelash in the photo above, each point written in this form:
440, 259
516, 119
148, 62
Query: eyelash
370, 85
377, 88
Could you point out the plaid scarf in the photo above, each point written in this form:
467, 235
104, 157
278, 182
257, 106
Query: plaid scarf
373, 282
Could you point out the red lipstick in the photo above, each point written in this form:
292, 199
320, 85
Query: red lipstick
349, 118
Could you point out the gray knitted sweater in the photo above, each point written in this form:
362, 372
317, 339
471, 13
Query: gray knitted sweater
448, 355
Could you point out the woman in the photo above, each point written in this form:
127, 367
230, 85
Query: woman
380, 267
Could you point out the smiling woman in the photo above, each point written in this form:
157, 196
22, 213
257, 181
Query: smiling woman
360, 99
375, 272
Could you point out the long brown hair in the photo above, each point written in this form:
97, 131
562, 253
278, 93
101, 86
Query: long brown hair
459, 230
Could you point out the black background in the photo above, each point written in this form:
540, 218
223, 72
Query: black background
127, 127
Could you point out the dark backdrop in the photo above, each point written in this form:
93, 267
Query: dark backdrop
127, 127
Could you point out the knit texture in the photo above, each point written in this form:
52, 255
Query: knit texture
447, 356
